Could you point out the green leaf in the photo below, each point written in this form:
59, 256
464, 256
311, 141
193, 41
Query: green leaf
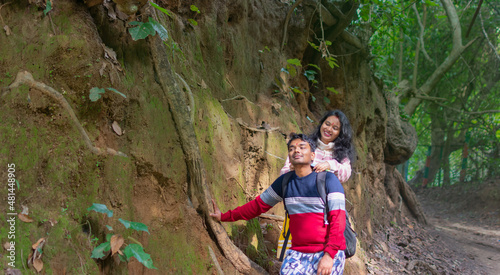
332, 62
313, 98
296, 90
101, 208
327, 100
114, 90
194, 8
123, 258
267, 48
193, 22
141, 31
134, 225
48, 8
291, 69
98, 252
328, 43
162, 32
285, 70
331, 89
160, 9
108, 237
95, 94
314, 46
310, 74
314, 66
430, 3
109, 228
295, 62
18, 185
135, 250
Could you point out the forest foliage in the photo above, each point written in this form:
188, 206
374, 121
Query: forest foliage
409, 40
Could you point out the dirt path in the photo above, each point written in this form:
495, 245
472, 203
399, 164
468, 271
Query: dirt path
467, 221
480, 245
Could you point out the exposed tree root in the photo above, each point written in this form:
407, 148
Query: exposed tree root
398, 189
190, 95
200, 193
26, 78
214, 259
285, 27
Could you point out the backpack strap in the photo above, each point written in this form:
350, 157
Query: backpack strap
284, 184
321, 185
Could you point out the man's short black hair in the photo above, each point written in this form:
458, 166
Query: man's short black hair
294, 136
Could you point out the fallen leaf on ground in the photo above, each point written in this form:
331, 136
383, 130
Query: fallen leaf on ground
116, 128
6, 245
7, 30
25, 218
38, 265
41, 241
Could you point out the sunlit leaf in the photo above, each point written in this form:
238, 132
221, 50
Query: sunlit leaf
291, 69
160, 9
314, 66
194, 8
135, 250
314, 46
295, 62
101, 208
331, 89
134, 225
296, 90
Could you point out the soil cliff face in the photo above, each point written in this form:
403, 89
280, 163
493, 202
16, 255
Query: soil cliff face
229, 66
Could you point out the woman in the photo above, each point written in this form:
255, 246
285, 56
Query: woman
335, 150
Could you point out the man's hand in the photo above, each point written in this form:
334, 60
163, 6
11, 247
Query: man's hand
323, 166
325, 265
217, 214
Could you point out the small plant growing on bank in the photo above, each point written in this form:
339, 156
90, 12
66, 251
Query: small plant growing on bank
95, 93
114, 242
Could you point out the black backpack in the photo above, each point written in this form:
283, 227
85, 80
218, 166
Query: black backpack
349, 233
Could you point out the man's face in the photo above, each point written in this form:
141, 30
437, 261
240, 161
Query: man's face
299, 152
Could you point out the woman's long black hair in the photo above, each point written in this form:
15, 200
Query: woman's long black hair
343, 148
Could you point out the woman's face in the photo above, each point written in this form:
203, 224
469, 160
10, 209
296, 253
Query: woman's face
330, 129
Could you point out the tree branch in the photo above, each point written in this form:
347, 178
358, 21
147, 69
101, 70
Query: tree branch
487, 38
438, 74
422, 29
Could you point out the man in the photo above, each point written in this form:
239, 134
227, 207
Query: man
317, 247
